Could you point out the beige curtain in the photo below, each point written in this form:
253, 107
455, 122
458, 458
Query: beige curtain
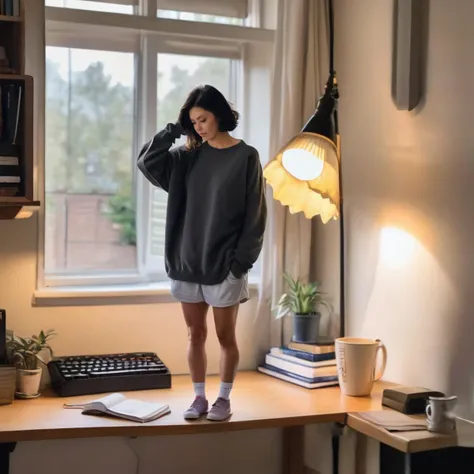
300, 72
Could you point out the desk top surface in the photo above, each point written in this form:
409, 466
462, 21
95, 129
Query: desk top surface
258, 401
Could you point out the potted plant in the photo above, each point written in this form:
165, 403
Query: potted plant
24, 353
302, 301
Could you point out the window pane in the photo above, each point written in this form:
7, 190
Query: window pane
177, 75
188, 16
90, 218
91, 5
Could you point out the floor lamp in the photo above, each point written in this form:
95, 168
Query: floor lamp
306, 175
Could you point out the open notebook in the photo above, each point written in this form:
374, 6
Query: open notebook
395, 421
118, 405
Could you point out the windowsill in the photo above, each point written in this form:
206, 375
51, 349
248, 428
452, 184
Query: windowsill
143, 293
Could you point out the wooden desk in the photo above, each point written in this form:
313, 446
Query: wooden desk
416, 452
258, 401
404, 441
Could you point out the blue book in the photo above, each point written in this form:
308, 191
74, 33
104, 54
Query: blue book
8, 7
307, 355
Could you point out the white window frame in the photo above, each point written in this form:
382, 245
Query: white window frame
145, 35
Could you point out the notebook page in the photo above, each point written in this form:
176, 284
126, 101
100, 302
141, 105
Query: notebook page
107, 402
137, 408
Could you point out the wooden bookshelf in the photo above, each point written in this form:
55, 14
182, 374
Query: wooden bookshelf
16, 114
14, 19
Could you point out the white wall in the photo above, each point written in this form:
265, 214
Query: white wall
409, 194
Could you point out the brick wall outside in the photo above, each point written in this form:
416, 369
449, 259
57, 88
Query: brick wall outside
79, 236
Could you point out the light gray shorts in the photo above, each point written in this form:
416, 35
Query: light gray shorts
231, 291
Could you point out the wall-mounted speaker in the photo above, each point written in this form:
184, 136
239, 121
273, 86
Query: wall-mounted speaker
407, 53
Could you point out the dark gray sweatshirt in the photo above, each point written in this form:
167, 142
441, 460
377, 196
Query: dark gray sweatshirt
216, 211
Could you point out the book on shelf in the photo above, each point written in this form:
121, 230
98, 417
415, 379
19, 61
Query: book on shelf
10, 164
10, 7
119, 406
11, 94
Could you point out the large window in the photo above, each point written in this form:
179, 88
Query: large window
106, 95
93, 5
90, 223
229, 12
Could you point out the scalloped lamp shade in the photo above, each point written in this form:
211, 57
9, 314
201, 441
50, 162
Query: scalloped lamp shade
304, 176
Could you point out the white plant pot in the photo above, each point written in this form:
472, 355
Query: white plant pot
28, 383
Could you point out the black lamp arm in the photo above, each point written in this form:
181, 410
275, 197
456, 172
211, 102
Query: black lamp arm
322, 121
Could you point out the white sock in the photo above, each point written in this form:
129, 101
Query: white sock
225, 390
200, 389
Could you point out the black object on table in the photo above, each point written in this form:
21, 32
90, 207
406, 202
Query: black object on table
88, 374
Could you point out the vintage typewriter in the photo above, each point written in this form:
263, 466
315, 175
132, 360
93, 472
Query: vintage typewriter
87, 374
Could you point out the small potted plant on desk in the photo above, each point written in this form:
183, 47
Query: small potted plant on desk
25, 354
302, 301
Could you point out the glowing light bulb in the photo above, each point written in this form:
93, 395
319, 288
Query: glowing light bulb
302, 164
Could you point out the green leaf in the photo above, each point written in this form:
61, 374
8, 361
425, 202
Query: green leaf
301, 297
23, 351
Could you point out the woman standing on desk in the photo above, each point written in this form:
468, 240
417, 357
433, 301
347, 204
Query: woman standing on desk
214, 229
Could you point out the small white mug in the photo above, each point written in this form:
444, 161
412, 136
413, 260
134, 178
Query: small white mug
440, 416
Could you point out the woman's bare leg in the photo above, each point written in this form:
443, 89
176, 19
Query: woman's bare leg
225, 321
195, 315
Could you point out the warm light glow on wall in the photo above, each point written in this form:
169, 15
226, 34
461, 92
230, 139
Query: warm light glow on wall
24, 214
397, 247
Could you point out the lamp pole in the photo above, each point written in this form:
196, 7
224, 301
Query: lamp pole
335, 94
337, 427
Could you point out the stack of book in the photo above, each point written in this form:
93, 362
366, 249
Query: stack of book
10, 109
307, 365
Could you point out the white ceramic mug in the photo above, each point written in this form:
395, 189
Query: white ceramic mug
356, 363
440, 416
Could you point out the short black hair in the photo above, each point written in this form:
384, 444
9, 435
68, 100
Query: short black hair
207, 97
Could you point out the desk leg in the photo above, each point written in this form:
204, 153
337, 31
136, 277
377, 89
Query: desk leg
337, 430
5, 450
293, 450
438, 461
